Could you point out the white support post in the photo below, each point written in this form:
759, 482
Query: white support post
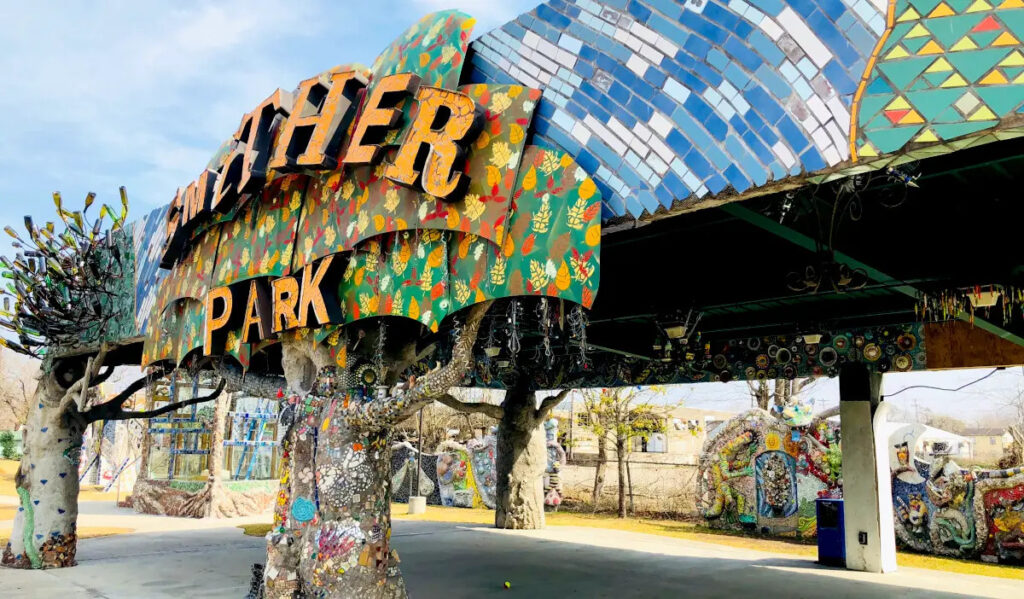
867, 487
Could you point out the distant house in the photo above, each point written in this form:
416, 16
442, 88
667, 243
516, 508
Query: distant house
681, 443
988, 444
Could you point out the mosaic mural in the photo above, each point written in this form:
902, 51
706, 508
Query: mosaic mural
941, 507
456, 475
483, 460
674, 101
763, 471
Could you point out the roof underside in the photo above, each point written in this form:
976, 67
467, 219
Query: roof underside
961, 227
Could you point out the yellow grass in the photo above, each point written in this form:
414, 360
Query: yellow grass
84, 532
86, 493
684, 530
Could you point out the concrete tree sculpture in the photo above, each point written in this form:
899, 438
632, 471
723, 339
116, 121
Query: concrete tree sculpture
521, 455
63, 287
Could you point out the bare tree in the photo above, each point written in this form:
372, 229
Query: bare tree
778, 392
47, 481
17, 384
618, 416
521, 452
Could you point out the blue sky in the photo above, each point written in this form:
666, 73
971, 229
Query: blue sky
141, 95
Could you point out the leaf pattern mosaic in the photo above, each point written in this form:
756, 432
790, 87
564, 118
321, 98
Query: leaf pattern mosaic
434, 48
554, 239
408, 253
259, 242
192, 277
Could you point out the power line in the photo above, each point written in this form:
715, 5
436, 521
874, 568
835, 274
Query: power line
960, 388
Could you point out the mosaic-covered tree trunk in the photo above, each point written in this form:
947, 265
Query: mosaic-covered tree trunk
332, 524
43, 535
338, 520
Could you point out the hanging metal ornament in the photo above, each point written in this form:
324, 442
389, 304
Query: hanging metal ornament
545, 327
578, 327
379, 354
512, 330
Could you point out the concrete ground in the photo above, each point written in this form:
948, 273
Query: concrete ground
453, 561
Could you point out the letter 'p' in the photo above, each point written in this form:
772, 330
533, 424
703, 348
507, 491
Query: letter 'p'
219, 305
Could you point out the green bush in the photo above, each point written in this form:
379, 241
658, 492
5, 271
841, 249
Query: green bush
7, 450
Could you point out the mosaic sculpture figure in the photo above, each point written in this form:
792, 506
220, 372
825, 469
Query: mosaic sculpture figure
455, 475
483, 454
556, 457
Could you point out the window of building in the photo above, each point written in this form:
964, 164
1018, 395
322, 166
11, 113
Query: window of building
652, 443
991, 440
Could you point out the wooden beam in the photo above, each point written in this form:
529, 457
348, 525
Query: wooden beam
957, 344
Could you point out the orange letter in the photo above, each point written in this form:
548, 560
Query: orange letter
245, 171
445, 124
286, 299
325, 309
378, 116
218, 321
257, 312
311, 137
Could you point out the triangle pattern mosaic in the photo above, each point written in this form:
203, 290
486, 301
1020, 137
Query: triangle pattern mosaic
945, 69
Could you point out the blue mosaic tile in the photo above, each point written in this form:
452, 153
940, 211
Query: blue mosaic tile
677, 99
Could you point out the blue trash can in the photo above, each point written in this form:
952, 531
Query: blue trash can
831, 532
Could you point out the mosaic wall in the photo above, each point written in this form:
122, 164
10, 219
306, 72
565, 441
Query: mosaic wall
664, 101
940, 507
456, 475
763, 471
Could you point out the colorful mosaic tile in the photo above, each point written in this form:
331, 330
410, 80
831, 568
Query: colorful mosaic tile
260, 241
193, 276
556, 222
148, 236
665, 101
434, 48
382, 206
945, 69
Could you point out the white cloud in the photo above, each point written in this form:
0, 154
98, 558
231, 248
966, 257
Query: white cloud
489, 13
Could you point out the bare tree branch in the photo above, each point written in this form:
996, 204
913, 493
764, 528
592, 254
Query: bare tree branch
104, 410
127, 415
477, 407
549, 404
103, 376
389, 410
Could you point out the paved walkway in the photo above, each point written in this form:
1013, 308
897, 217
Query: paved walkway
105, 514
452, 561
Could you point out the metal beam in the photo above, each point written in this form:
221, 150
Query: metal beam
808, 243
